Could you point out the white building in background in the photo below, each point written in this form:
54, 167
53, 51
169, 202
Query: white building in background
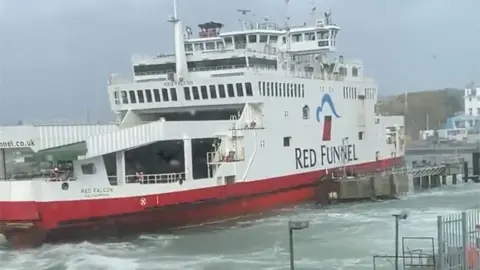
472, 100
462, 126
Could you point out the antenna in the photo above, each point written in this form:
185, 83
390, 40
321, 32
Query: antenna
313, 11
173, 18
287, 18
244, 12
175, 9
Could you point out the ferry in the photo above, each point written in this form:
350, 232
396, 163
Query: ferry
232, 124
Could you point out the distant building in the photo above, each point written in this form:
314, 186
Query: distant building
464, 126
472, 100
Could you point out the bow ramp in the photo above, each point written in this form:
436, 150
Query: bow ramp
427, 171
423, 171
144, 134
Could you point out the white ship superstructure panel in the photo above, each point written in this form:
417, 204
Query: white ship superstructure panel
49, 136
149, 133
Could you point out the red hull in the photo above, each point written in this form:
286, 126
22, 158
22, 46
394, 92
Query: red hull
65, 220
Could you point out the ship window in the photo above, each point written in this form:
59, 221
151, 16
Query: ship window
199, 47
230, 91
275, 86
165, 94
306, 112
286, 141
228, 40
210, 46
263, 88
297, 37
115, 97
186, 91
88, 168
133, 98
173, 94
252, 39
188, 47
263, 38
291, 93
360, 135
322, 35
273, 39
248, 89
289, 86
213, 91
195, 93
355, 72
268, 88
303, 88
141, 98
310, 36
148, 94
124, 97
276, 93
204, 92
284, 87
221, 91
239, 87
220, 45
288, 93
156, 95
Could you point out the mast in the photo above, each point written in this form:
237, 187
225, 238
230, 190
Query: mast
243, 23
180, 58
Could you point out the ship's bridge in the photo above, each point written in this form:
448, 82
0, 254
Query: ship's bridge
313, 39
212, 52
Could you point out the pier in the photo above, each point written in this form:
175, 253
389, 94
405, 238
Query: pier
436, 176
397, 182
442, 150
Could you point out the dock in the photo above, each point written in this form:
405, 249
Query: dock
442, 150
393, 183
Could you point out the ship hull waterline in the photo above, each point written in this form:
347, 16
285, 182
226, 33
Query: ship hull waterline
280, 192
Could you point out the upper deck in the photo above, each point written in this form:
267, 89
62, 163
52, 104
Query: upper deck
224, 70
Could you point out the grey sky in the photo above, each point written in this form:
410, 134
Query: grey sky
56, 55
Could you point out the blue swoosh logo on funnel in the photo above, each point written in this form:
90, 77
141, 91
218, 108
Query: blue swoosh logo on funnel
326, 99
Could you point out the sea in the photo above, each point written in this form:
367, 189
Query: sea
343, 236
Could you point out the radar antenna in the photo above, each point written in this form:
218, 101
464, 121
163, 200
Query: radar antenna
328, 17
244, 12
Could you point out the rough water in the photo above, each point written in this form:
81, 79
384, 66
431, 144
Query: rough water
340, 237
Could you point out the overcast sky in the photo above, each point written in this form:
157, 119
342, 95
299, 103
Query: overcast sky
56, 55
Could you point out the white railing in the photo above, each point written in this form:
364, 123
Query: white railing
164, 178
42, 175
